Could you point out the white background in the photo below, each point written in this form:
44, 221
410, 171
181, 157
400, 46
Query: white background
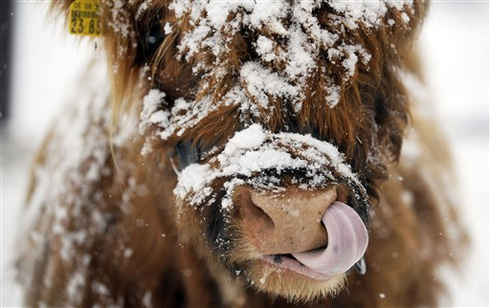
455, 45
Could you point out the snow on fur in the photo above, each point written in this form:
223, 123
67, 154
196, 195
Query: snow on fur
288, 36
254, 150
83, 137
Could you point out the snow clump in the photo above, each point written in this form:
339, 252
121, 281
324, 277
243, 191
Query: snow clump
251, 153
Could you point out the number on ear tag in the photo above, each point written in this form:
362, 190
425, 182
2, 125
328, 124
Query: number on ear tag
85, 18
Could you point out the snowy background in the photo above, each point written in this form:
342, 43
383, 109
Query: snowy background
455, 46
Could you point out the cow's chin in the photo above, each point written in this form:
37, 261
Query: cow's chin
287, 283
285, 278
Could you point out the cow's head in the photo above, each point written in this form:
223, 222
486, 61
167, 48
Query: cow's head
280, 117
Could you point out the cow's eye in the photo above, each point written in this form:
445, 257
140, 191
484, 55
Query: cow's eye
187, 154
150, 36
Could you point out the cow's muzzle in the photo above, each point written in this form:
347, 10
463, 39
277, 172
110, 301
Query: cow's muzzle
309, 232
298, 202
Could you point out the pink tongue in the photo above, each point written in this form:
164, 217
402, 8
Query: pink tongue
347, 242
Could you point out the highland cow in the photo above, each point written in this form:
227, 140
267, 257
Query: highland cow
243, 154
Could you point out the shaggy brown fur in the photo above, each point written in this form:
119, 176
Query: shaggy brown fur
107, 230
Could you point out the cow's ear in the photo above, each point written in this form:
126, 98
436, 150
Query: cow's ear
61, 7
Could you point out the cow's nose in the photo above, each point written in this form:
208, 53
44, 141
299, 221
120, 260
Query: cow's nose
281, 223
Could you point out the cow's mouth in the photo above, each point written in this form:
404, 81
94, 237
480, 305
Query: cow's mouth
288, 262
348, 240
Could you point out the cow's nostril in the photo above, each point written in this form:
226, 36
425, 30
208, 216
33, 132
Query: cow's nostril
256, 218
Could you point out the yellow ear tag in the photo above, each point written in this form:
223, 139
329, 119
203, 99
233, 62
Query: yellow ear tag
85, 18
